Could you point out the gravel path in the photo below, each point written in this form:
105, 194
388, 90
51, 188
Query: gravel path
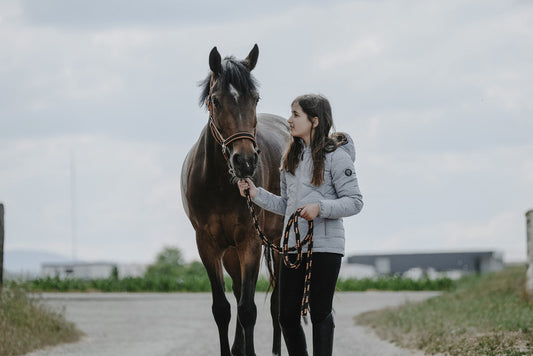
154, 324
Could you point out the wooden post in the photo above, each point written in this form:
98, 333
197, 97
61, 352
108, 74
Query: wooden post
529, 230
1, 245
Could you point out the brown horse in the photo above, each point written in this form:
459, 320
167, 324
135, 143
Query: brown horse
228, 149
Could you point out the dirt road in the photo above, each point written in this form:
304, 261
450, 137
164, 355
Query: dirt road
154, 324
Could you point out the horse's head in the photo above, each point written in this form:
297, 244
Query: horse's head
230, 93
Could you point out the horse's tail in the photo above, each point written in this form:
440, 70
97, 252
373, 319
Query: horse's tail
270, 260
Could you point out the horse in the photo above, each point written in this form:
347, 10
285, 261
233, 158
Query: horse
235, 143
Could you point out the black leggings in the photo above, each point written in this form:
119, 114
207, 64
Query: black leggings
325, 271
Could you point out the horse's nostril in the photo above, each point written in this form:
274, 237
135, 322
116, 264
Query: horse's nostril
237, 159
252, 161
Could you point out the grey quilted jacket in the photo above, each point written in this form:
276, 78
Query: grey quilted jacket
339, 196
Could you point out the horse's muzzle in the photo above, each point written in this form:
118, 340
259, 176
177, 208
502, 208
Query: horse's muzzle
244, 165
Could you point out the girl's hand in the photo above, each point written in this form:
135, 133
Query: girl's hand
310, 211
247, 183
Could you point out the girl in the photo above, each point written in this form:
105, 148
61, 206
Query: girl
318, 175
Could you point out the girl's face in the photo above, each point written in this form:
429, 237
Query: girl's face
300, 124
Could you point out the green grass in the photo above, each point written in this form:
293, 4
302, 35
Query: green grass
394, 283
25, 325
200, 283
487, 315
128, 284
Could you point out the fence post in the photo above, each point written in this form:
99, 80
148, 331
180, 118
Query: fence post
529, 231
1, 245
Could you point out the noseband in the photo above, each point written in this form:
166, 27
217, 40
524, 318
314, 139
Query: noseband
224, 142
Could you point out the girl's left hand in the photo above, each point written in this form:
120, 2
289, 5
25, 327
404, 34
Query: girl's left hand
310, 211
247, 183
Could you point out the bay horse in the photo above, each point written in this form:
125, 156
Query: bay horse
227, 150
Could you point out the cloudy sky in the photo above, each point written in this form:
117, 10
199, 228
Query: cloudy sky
437, 95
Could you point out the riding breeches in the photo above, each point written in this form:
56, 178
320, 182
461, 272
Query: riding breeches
324, 274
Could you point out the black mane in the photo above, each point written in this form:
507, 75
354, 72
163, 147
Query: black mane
233, 72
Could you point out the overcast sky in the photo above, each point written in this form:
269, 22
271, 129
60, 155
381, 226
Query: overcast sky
437, 95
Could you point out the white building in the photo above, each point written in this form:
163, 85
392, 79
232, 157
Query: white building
79, 270
94, 270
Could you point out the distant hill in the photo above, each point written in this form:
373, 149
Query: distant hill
28, 262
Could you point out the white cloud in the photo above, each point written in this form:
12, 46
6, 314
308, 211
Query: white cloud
362, 48
511, 163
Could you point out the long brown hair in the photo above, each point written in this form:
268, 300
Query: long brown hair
314, 105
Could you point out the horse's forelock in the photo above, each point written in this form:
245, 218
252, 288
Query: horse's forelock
235, 73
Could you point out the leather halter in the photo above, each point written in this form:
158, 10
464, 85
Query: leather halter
224, 142
241, 135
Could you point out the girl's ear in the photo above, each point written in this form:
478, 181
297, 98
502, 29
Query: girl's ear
315, 121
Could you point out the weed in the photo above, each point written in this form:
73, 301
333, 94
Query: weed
480, 315
26, 325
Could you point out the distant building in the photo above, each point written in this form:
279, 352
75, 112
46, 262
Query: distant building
80, 270
355, 270
465, 262
95, 270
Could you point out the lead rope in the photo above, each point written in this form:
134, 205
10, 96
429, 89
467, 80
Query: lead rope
285, 249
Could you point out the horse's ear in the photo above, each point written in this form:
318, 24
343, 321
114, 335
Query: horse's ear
251, 60
215, 61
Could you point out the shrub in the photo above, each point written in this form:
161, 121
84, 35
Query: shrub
26, 325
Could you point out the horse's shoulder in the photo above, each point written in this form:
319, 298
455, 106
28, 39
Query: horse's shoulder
271, 119
271, 122
268, 115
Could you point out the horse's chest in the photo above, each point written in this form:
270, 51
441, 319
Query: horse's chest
210, 207
208, 199
224, 229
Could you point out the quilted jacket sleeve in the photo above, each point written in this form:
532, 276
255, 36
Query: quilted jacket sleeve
272, 202
344, 179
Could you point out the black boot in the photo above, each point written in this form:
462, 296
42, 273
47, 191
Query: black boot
295, 341
323, 336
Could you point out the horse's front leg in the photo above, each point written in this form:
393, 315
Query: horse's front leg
250, 256
233, 267
221, 308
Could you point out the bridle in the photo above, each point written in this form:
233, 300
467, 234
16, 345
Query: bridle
225, 142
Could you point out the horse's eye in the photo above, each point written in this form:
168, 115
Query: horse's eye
216, 102
257, 98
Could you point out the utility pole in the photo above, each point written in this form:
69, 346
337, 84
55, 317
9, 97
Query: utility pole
1, 245
73, 212
529, 231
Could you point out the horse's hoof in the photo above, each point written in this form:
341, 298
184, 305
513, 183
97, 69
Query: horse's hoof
237, 352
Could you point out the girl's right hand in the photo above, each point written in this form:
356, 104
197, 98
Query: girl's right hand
247, 183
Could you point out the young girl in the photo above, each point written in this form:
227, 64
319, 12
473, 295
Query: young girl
317, 175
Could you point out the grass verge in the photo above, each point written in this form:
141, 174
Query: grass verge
395, 283
201, 284
25, 325
486, 315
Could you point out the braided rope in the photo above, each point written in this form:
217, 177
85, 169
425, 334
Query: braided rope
285, 249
